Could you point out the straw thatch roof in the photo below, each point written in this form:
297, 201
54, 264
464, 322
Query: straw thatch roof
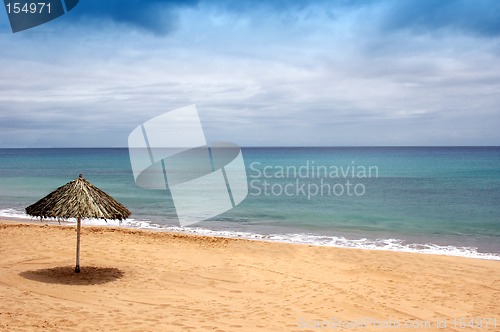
78, 198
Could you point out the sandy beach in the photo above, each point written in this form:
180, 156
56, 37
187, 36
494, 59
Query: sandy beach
134, 280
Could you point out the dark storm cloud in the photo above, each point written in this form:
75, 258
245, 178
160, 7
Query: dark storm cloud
156, 16
479, 17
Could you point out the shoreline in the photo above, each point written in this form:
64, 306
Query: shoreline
135, 279
390, 244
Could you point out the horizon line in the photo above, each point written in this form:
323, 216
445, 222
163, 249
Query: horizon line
280, 146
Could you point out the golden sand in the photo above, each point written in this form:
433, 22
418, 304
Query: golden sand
135, 280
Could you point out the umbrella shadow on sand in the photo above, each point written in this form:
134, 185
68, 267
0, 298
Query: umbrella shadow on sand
91, 275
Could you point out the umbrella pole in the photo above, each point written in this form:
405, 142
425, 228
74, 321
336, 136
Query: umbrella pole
78, 226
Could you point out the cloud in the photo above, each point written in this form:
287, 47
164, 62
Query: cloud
480, 17
418, 16
157, 16
160, 17
261, 73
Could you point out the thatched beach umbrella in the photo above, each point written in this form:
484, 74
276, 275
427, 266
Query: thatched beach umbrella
78, 199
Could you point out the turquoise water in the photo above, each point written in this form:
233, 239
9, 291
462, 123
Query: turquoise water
427, 199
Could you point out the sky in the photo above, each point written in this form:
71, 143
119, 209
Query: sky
261, 73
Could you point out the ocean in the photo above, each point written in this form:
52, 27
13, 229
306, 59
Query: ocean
434, 200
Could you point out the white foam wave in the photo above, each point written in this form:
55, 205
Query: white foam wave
342, 242
310, 239
13, 213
